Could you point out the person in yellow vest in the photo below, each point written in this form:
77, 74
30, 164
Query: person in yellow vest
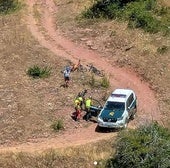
80, 98
88, 103
78, 109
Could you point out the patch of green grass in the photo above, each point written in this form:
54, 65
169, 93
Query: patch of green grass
105, 82
38, 72
9, 6
58, 125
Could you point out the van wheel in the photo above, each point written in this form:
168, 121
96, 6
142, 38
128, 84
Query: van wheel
133, 116
99, 129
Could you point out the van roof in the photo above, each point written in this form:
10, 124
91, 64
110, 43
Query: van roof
120, 95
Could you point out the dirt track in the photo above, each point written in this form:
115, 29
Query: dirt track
121, 78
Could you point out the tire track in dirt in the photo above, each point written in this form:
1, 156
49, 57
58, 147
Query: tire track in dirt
120, 77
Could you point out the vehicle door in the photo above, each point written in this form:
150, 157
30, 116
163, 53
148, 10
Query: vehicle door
131, 104
95, 108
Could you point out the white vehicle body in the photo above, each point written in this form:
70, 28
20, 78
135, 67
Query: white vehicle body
120, 106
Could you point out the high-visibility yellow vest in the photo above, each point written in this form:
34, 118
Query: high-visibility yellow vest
80, 99
76, 102
88, 103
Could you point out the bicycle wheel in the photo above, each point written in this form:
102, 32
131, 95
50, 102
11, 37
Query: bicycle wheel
82, 69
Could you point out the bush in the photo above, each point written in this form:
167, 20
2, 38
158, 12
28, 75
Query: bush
163, 49
161, 10
37, 72
58, 125
105, 82
92, 81
7, 6
139, 13
139, 16
146, 147
143, 20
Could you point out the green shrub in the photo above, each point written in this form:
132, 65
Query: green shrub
37, 72
139, 16
161, 10
139, 13
149, 4
58, 125
143, 20
7, 6
146, 147
163, 49
92, 81
105, 82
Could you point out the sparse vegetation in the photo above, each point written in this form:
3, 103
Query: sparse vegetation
73, 157
92, 81
139, 13
105, 82
146, 147
8, 6
163, 49
97, 82
58, 125
38, 72
27, 105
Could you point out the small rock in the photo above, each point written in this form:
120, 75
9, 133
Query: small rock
84, 39
89, 43
93, 48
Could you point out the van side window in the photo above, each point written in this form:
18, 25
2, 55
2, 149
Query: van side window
130, 100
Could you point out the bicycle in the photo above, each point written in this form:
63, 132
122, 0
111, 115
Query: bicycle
94, 70
82, 68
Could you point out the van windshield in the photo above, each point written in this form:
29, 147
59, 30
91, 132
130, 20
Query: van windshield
115, 105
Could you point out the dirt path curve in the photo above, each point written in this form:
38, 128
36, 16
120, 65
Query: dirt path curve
121, 78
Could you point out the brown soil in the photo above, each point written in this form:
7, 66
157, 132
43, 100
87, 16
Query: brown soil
48, 36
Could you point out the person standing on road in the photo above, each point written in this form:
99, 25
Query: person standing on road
88, 104
66, 73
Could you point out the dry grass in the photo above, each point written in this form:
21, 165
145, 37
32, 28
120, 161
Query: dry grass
62, 158
167, 2
28, 107
25, 112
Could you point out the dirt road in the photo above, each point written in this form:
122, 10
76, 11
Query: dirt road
119, 78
